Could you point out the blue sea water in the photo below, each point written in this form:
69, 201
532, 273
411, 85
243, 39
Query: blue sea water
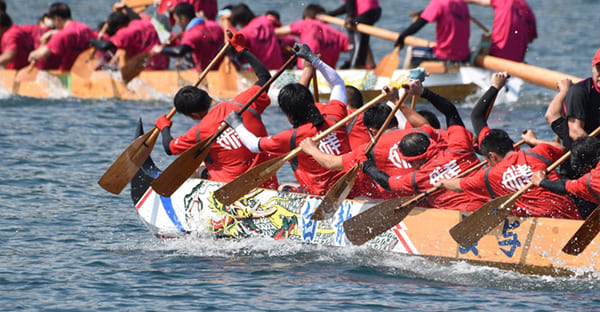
68, 245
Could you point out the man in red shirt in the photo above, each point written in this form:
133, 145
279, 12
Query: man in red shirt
72, 38
259, 33
228, 157
509, 171
202, 38
513, 29
308, 119
433, 157
319, 36
15, 44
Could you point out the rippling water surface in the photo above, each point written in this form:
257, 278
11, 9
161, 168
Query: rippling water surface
66, 244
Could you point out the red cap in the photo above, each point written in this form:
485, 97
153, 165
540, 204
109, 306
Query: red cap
596, 58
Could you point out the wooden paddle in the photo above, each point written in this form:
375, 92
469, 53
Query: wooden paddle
135, 65
28, 73
487, 217
478, 23
315, 86
86, 62
189, 161
533, 74
388, 64
584, 235
339, 191
383, 216
254, 177
129, 162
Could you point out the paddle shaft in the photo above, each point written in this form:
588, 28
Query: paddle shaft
378, 32
478, 23
315, 85
262, 89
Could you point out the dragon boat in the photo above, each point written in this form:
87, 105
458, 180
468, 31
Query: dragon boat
526, 245
456, 83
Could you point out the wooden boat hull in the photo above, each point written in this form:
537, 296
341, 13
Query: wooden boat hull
526, 245
153, 85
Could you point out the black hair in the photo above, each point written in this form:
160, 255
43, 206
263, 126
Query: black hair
296, 101
241, 15
185, 9
375, 116
311, 11
5, 20
190, 99
59, 9
431, 118
414, 144
115, 21
497, 141
353, 97
43, 17
274, 13
2, 6
585, 154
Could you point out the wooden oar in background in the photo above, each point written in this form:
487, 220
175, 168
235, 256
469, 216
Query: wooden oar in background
388, 64
133, 157
584, 235
28, 73
256, 176
383, 216
188, 162
487, 217
532, 74
339, 191
135, 65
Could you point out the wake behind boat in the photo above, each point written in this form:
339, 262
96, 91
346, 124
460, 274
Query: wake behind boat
526, 245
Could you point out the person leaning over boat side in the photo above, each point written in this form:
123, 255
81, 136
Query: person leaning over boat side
513, 29
130, 35
432, 159
68, 42
228, 157
452, 32
510, 170
585, 158
308, 119
259, 33
319, 36
359, 11
15, 44
582, 104
385, 153
202, 38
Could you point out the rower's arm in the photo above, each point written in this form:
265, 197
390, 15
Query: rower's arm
576, 128
251, 141
335, 81
444, 106
331, 162
480, 2
450, 184
176, 51
257, 66
478, 115
412, 29
7, 57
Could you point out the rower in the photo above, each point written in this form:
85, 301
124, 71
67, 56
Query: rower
227, 158
15, 44
319, 36
68, 42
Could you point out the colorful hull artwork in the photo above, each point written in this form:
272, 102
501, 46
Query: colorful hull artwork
162, 85
526, 245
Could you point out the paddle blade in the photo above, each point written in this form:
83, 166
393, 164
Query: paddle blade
584, 235
482, 221
28, 73
375, 220
85, 64
334, 197
134, 66
388, 64
181, 169
128, 163
242, 185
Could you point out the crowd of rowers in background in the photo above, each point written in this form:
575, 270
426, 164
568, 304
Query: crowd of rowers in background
413, 154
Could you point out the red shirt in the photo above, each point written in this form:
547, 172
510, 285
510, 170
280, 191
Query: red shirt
16, 39
514, 27
139, 37
52, 61
452, 29
445, 164
586, 187
69, 42
358, 134
228, 157
322, 39
513, 173
205, 39
312, 177
262, 41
